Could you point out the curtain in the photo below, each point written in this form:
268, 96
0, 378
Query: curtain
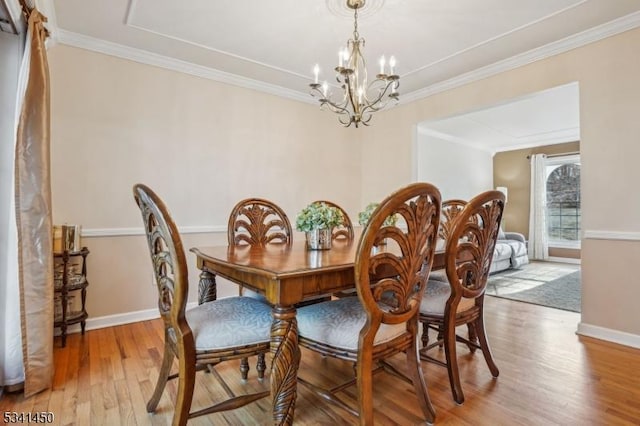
538, 240
11, 366
33, 215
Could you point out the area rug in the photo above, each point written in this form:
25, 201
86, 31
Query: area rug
560, 293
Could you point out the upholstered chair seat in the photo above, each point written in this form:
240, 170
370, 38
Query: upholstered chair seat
338, 323
436, 296
229, 323
440, 275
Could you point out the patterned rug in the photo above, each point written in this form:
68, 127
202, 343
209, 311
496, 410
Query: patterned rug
561, 293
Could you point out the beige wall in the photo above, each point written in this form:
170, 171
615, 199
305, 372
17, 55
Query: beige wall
512, 169
117, 122
200, 144
609, 104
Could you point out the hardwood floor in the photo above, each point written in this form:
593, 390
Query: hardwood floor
548, 376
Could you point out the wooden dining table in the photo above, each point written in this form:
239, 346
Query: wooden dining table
286, 274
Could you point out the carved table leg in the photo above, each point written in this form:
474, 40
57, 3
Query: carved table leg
285, 363
207, 290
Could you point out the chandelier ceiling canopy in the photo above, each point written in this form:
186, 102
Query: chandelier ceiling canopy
358, 98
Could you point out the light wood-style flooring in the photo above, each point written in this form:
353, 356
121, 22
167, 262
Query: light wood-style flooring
548, 376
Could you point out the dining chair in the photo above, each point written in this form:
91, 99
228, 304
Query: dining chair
450, 211
257, 221
448, 214
344, 231
203, 336
382, 320
460, 300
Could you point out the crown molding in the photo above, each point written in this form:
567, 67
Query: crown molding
551, 138
575, 41
600, 32
142, 56
454, 139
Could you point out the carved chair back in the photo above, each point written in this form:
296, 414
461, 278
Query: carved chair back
471, 243
346, 229
258, 221
406, 266
169, 265
450, 211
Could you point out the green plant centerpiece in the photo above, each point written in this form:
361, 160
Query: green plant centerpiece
365, 215
317, 220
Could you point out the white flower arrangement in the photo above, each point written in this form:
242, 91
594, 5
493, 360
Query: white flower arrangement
364, 216
318, 216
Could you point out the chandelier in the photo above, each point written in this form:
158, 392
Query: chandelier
358, 98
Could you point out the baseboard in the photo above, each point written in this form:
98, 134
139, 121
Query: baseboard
615, 336
117, 319
564, 260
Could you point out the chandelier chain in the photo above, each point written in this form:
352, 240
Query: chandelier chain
356, 35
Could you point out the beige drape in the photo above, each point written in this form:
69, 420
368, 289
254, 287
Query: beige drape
33, 217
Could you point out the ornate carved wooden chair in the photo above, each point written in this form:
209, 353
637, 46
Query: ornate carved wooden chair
366, 329
346, 229
450, 210
469, 249
256, 221
201, 337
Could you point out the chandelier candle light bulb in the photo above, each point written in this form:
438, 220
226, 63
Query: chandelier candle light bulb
360, 98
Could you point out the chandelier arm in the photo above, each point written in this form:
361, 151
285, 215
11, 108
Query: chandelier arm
322, 98
338, 109
378, 103
383, 89
342, 112
334, 107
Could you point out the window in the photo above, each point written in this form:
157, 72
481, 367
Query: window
563, 201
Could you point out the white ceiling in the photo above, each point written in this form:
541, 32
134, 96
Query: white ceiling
277, 42
543, 118
272, 45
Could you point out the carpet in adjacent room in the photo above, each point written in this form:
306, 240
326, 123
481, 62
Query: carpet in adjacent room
552, 285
